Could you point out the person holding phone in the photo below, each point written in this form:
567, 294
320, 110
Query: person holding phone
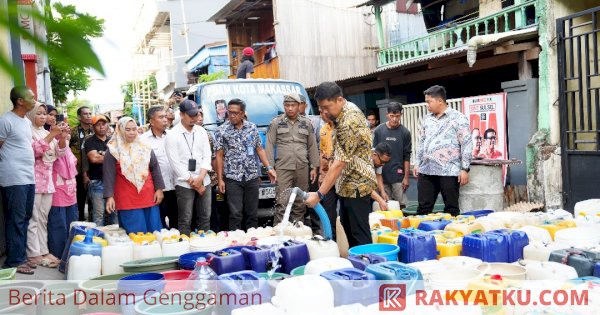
189, 154
50, 117
132, 180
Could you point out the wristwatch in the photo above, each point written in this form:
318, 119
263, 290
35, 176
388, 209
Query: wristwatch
466, 169
321, 196
269, 168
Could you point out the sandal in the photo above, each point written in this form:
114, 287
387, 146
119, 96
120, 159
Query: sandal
51, 258
45, 262
24, 269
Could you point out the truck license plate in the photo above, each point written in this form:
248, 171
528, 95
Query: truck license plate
266, 193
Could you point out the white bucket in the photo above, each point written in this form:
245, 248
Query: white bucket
506, 271
587, 236
427, 267
318, 266
460, 262
114, 255
453, 279
84, 267
535, 233
306, 294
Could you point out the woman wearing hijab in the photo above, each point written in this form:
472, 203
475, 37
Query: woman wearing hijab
132, 180
64, 200
47, 147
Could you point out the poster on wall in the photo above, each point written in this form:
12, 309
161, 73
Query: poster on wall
487, 118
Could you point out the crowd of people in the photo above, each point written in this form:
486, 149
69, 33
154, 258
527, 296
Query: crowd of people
168, 175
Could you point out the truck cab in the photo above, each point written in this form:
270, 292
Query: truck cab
264, 101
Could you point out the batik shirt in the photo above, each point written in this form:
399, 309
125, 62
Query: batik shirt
352, 145
239, 147
445, 144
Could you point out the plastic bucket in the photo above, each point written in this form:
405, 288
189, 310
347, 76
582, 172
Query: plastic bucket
506, 271
389, 251
55, 291
183, 303
95, 287
8, 274
298, 271
188, 261
176, 280
142, 285
5, 304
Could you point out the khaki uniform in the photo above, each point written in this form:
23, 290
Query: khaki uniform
297, 151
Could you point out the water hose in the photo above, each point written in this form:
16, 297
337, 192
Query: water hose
325, 223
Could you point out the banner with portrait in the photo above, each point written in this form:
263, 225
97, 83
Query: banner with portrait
487, 118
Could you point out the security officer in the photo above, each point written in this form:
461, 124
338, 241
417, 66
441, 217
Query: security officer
294, 137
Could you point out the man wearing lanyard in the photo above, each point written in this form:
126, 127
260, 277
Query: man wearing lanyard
188, 151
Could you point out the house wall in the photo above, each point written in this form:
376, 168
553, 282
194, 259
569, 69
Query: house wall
544, 167
342, 49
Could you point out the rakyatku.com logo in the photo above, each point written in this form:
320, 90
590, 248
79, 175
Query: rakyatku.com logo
392, 297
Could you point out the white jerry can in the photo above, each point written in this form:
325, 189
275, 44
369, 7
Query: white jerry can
540, 251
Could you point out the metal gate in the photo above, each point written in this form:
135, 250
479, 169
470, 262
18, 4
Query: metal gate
579, 105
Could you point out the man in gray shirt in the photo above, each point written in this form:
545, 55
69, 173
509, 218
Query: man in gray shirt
17, 180
395, 174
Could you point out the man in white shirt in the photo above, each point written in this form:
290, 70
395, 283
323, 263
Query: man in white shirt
188, 151
155, 137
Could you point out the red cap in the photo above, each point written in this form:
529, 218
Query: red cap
248, 51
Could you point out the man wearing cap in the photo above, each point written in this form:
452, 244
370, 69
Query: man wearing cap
94, 148
188, 151
246, 66
294, 137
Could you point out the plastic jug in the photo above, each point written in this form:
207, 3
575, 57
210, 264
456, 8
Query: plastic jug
293, 254
490, 224
396, 271
76, 228
516, 240
260, 232
146, 250
237, 236
374, 218
112, 229
319, 247
96, 239
535, 233
351, 285
540, 251
318, 266
206, 243
487, 247
587, 220
587, 236
462, 228
554, 226
363, 260
226, 261
242, 283
558, 214
439, 224
165, 233
582, 260
114, 255
296, 230
449, 247
139, 238
463, 217
530, 218
443, 235
415, 220
392, 205
175, 245
117, 238
306, 294
377, 231
549, 270
258, 258
85, 259
203, 278
388, 238
393, 223
391, 213
416, 247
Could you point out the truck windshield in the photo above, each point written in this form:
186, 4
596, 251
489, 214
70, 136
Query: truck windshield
264, 100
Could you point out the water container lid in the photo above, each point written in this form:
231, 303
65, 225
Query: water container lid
202, 262
88, 242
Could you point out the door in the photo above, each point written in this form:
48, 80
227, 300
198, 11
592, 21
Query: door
579, 105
